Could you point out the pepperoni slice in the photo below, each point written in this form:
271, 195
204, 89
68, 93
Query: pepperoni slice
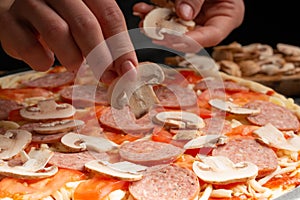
176, 96
52, 80
277, 115
216, 125
229, 86
169, 182
6, 106
247, 149
85, 95
76, 160
149, 153
124, 121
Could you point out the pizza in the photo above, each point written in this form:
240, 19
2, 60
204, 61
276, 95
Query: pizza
207, 137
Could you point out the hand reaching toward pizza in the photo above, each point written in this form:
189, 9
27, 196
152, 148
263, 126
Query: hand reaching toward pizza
213, 22
37, 31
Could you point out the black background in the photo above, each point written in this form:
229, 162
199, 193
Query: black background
268, 22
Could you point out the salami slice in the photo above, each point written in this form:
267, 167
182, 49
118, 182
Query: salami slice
176, 96
52, 80
125, 121
85, 95
213, 84
215, 126
278, 116
169, 182
76, 160
247, 149
149, 153
6, 106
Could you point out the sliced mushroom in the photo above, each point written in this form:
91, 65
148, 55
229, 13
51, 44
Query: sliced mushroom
122, 170
160, 21
48, 109
205, 141
138, 94
13, 142
59, 126
79, 142
37, 159
7, 125
221, 170
231, 107
287, 49
179, 119
273, 137
230, 67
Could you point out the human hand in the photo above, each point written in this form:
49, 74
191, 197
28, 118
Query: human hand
215, 20
38, 30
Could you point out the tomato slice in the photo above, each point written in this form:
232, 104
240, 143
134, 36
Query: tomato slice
19, 94
190, 76
162, 136
242, 130
98, 188
38, 189
241, 98
119, 138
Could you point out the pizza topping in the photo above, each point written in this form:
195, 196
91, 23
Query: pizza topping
231, 107
6, 106
166, 182
6, 125
278, 116
221, 170
48, 109
13, 142
273, 137
149, 153
122, 170
79, 142
179, 119
58, 126
160, 21
206, 141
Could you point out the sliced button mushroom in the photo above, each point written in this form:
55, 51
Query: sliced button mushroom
163, 20
48, 109
13, 142
7, 125
221, 170
138, 94
59, 126
37, 159
231, 107
179, 119
122, 170
273, 137
205, 141
79, 142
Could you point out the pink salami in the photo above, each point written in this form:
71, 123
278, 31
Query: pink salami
169, 182
6, 106
213, 84
277, 115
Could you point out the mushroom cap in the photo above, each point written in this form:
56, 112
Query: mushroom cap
48, 109
7, 125
205, 140
179, 119
122, 170
13, 142
221, 170
79, 142
58, 126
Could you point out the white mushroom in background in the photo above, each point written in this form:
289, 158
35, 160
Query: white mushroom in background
13, 142
59, 126
48, 109
231, 107
123, 170
221, 170
163, 20
78, 142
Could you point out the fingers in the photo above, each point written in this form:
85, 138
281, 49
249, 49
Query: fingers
115, 31
142, 9
19, 42
188, 9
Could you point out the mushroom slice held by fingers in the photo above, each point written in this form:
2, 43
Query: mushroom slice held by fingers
48, 109
13, 142
231, 107
122, 170
79, 142
59, 126
179, 119
221, 170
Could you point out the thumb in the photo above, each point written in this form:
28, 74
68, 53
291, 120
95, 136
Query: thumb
188, 9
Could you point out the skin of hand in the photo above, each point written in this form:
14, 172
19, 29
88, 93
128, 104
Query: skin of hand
215, 20
38, 30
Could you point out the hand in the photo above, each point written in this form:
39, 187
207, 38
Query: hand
215, 20
38, 30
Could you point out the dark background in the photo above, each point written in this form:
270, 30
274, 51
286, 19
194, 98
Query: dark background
268, 22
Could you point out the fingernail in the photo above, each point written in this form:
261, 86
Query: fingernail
186, 11
128, 68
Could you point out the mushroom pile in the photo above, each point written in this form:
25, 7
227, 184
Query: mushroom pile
256, 58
